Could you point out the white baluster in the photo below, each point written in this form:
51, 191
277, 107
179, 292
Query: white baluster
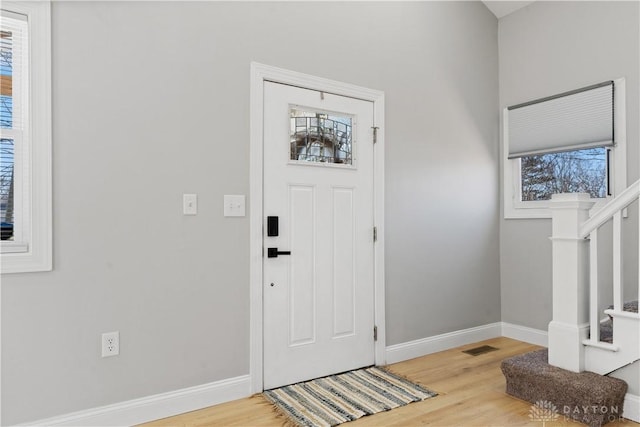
594, 300
617, 261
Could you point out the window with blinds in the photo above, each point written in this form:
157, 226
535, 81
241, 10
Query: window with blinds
13, 67
572, 142
26, 243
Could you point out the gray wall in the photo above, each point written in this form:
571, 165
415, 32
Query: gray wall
630, 374
151, 100
548, 48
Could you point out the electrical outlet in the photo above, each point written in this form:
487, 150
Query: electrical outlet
110, 344
234, 205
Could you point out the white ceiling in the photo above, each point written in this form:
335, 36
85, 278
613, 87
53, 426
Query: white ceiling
505, 7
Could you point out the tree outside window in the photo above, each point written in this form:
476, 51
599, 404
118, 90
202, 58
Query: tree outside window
580, 171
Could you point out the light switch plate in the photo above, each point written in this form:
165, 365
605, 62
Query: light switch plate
234, 205
190, 204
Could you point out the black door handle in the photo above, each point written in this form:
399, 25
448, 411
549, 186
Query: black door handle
274, 252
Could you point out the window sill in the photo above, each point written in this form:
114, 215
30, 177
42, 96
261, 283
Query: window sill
530, 213
13, 247
26, 262
540, 210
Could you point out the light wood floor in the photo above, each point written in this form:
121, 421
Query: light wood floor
471, 393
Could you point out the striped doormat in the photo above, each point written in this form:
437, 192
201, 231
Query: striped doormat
345, 397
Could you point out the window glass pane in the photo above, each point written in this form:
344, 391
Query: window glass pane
6, 144
320, 137
6, 83
6, 188
580, 171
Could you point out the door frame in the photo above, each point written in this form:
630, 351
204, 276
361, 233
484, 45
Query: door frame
259, 74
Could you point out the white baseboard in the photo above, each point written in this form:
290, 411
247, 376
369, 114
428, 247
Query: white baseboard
155, 407
412, 349
632, 407
189, 399
526, 334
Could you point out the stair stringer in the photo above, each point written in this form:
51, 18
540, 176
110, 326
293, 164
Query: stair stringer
603, 358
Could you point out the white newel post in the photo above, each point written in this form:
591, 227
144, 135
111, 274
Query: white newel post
569, 326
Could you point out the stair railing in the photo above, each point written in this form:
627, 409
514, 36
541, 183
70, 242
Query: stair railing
612, 210
576, 316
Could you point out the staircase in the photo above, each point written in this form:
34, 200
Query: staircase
606, 327
619, 341
604, 354
586, 336
585, 397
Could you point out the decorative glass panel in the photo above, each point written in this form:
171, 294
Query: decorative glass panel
321, 137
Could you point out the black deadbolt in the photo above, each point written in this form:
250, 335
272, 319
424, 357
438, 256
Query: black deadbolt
272, 226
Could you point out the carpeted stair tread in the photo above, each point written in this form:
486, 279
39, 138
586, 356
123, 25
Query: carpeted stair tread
575, 395
606, 331
606, 328
631, 306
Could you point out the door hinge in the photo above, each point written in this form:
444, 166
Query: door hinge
375, 234
375, 333
375, 133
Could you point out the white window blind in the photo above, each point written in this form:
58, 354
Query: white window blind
574, 120
13, 61
13, 126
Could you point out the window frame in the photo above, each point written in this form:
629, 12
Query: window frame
515, 208
34, 211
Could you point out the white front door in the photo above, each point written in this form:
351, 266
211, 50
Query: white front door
318, 182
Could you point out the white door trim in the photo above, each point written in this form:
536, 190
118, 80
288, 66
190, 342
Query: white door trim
260, 73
